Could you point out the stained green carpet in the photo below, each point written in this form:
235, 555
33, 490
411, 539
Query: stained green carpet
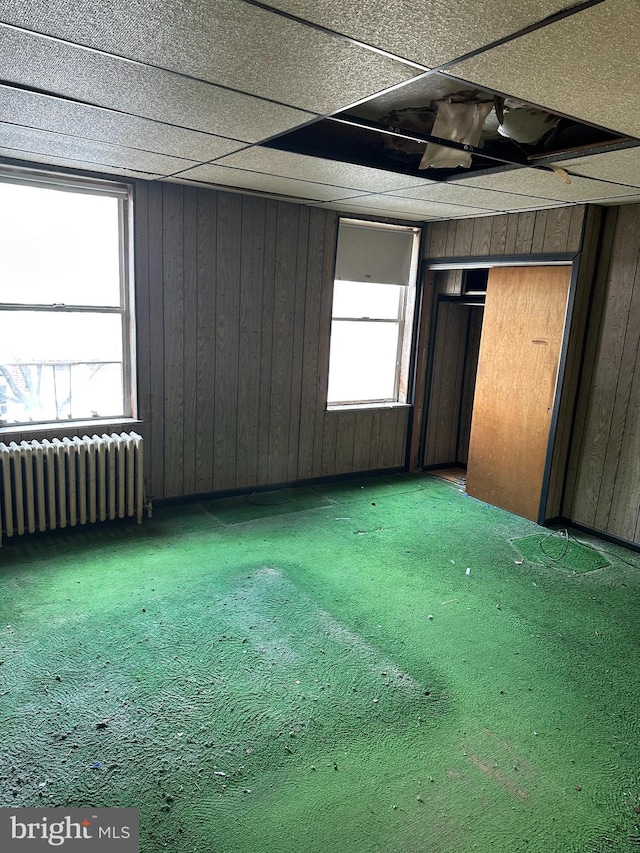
374, 668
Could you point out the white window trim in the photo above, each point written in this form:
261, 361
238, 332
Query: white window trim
405, 338
124, 193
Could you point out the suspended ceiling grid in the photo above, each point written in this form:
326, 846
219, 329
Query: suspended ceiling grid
193, 91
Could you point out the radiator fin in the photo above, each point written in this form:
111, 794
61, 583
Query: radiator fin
46, 485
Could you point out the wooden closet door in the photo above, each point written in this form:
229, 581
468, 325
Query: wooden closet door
520, 346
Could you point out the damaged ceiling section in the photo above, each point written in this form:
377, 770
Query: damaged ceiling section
440, 127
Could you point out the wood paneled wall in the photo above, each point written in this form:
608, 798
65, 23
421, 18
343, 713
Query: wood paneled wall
535, 232
233, 301
603, 485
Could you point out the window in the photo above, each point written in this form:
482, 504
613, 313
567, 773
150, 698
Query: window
373, 301
65, 314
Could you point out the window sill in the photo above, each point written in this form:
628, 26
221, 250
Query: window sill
92, 425
363, 407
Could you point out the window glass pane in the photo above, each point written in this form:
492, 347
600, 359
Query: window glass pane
58, 247
60, 365
362, 363
375, 301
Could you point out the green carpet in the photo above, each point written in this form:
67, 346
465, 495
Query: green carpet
560, 550
379, 670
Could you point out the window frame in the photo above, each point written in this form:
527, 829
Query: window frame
405, 322
123, 192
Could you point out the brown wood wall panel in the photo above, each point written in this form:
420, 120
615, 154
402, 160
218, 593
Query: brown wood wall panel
469, 383
173, 297
227, 322
282, 342
584, 277
190, 250
249, 341
534, 232
142, 310
310, 423
155, 416
233, 325
299, 302
603, 488
205, 340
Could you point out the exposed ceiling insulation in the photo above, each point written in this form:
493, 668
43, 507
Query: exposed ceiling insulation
333, 103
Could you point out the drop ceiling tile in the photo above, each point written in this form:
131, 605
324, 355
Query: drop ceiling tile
371, 212
453, 193
29, 158
225, 177
621, 167
290, 165
397, 205
44, 112
544, 183
585, 66
230, 43
83, 75
430, 32
98, 154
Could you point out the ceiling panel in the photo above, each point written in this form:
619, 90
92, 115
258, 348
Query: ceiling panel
395, 205
454, 193
584, 66
222, 176
431, 32
544, 183
287, 164
622, 167
370, 212
48, 113
72, 72
29, 158
256, 51
87, 151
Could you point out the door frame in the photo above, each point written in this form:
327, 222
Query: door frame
426, 346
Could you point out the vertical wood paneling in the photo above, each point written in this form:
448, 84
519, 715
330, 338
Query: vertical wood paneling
511, 235
156, 430
445, 396
190, 260
345, 437
603, 489
539, 230
282, 347
362, 440
575, 337
374, 441
324, 332
234, 319
469, 383
524, 233
481, 236
297, 373
463, 238
266, 340
574, 234
606, 375
498, 235
250, 333
329, 442
205, 339
143, 325
173, 293
589, 360
557, 229
311, 411
531, 232
228, 253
